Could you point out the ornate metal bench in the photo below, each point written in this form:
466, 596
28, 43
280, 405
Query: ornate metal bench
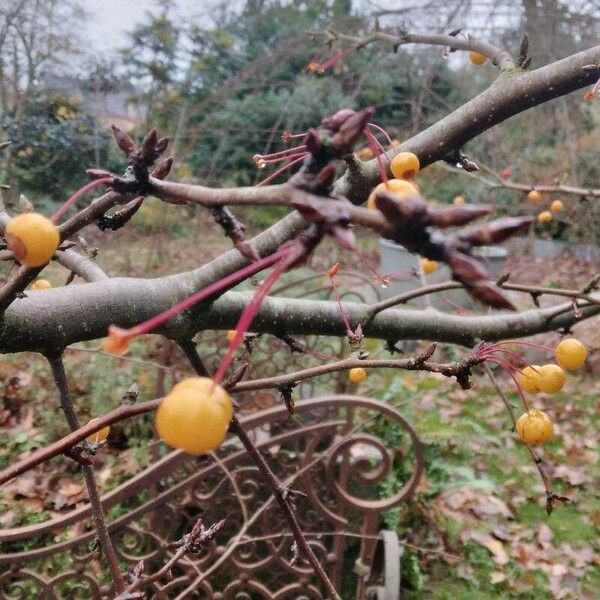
326, 451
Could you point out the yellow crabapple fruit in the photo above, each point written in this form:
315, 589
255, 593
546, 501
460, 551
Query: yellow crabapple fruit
535, 427
400, 187
557, 206
570, 354
357, 374
198, 385
98, 436
552, 378
544, 217
405, 165
32, 238
458, 201
534, 196
41, 284
429, 266
476, 58
194, 416
231, 334
529, 378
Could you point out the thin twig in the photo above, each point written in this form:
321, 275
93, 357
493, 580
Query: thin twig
500, 182
126, 411
60, 379
281, 494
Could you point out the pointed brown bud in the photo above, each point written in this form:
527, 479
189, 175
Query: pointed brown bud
465, 268
124, 142
148, 146
352, 129
25, 204
458, 215
161, 144
163, 168
496, 231
469, 166
236, 376
335, 121
246, 250
326, 176
121, 217
491, 295
399, 211
343, 236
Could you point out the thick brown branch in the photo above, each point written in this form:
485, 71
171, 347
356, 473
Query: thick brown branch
62, 316
513, 93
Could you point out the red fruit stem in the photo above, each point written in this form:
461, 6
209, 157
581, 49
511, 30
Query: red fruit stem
283, 153
501, 361
342, 309
519, 390
270, 161
514, 355
532, 344
78, 194
286, 135
281, 170
207, 292
383, 279
373, 143
249, 313
382, 130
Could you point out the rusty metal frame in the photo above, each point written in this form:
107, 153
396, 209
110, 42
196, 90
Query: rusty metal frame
327, 443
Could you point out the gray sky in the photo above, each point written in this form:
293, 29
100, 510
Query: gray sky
110, 19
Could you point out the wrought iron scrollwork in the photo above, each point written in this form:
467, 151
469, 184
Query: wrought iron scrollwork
327, 451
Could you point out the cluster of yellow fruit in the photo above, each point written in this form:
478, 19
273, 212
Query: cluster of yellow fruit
404, 166
194, 416
545, 216
32, 238
535, 427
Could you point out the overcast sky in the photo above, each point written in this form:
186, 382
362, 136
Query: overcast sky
110, 19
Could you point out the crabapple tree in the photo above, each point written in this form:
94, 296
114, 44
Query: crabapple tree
332, 194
